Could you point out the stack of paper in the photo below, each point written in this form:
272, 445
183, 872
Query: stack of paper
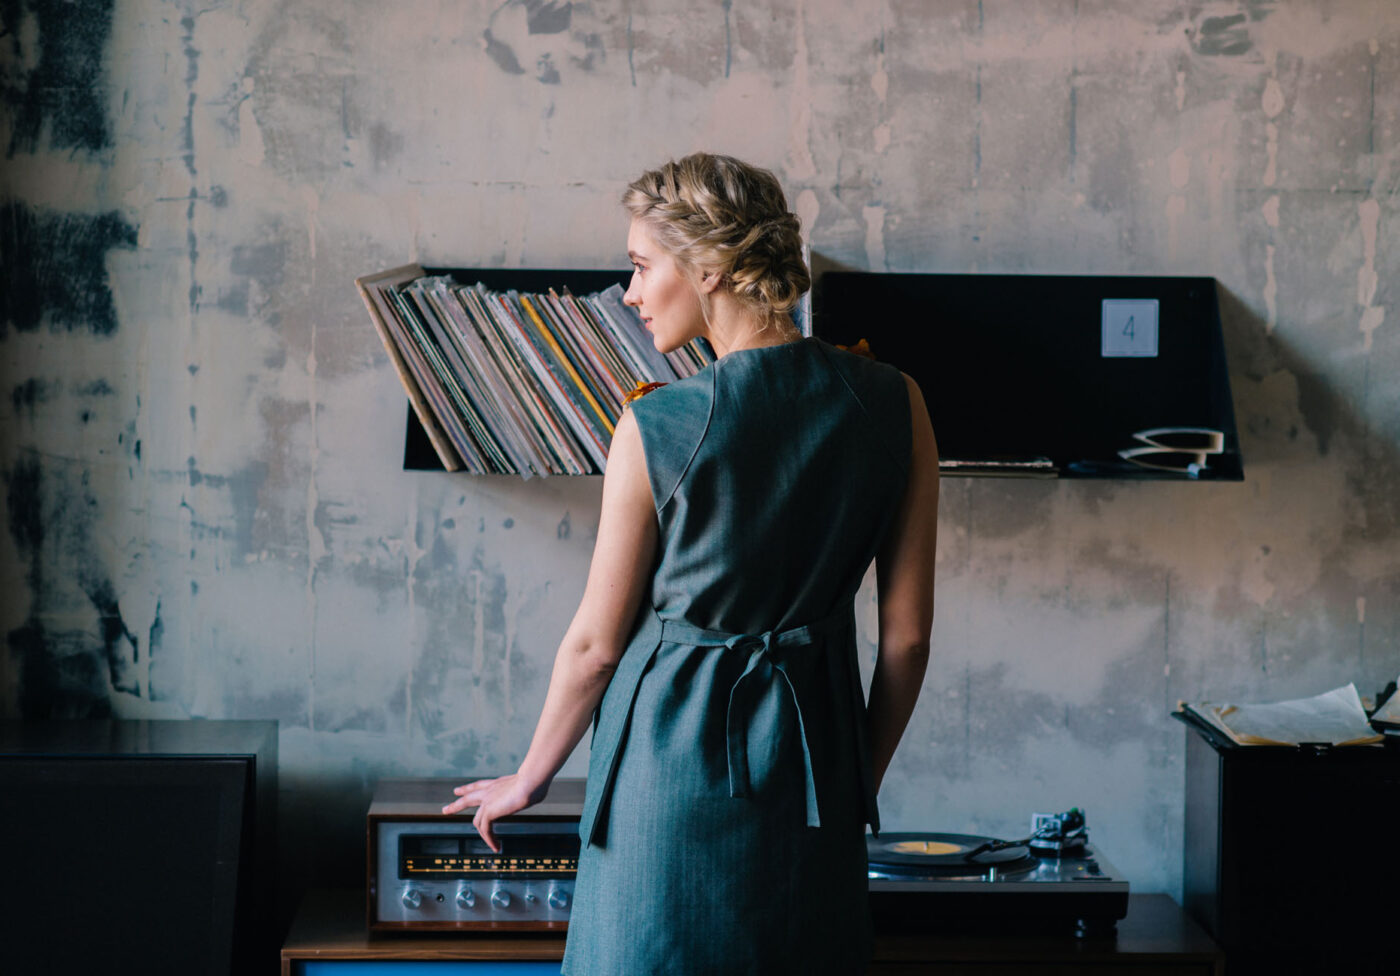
1336, 718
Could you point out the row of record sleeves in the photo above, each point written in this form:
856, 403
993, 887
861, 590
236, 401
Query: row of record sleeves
510, 382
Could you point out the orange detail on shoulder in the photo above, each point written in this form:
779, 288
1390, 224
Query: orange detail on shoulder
861, 348
639, 391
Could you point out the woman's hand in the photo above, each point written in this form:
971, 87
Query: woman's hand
493, 799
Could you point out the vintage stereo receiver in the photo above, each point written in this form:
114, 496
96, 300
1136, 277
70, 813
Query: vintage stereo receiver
431, 871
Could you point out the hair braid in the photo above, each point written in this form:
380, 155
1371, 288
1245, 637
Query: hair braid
717, 213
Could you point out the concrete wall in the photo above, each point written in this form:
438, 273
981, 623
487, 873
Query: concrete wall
202, 435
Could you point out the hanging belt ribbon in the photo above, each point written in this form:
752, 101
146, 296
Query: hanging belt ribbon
762, 664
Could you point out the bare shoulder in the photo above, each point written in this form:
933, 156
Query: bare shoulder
916, 395
626, 447
917, 406
925, 445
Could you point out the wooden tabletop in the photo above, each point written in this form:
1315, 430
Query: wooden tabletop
1155, 930
331, 926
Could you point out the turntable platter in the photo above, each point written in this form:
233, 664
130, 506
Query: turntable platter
926, 847
925, 854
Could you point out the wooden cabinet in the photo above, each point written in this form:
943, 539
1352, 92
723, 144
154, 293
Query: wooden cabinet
126, 835
1291, 854
1155, 939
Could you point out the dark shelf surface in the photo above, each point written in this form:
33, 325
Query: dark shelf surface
135, 737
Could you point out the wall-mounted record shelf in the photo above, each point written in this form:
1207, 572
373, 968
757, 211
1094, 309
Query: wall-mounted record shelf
514, 384
1024, 375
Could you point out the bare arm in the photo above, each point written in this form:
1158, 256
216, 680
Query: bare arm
904, 580
594, 642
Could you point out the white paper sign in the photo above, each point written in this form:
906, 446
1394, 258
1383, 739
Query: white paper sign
1129, 327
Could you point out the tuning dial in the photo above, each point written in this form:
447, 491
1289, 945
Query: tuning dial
466, 898
558, 898
500, 898
412, 898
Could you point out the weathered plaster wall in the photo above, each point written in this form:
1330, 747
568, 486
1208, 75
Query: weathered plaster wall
206, 512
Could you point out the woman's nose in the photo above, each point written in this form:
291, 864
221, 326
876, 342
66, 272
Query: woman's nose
630, 297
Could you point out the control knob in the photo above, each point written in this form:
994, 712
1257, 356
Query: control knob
500, 898
466, 898
558, 898
412, 898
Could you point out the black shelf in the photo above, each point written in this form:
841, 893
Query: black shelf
1012, 366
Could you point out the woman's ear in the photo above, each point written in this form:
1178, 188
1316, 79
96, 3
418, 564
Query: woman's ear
709, 281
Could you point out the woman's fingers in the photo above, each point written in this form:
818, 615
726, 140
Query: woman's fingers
482, 822
479, 784
493, 799
469, 794
457, 806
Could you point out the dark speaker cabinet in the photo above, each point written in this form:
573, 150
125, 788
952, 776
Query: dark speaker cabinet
138, 846
1292, 854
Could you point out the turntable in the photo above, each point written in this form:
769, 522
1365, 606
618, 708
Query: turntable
1053, 880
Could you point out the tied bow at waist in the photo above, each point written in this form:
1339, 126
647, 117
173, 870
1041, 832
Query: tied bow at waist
833, 668
763, 664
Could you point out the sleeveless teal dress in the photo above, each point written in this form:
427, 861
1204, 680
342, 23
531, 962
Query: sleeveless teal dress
729, 781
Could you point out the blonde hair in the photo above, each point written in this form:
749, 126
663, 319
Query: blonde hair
716, 213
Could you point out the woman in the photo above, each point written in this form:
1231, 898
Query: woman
734, 765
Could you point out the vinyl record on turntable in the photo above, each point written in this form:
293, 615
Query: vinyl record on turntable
937, 853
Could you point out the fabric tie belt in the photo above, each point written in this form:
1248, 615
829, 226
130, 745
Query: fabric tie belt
763, 663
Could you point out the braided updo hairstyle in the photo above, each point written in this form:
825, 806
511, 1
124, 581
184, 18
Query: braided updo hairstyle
716, 213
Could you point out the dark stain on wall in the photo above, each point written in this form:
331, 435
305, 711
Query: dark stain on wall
1227, 34
1318, 406
547, 16
502, 54
384, 144
64, 673
157, 633
1223, 35
22, 501
234, 299
593, 46
191, 76
65, 91
55, 685
98, 387
55, 268
265, 263
541, 17
120, 648
244, 487
31, 393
